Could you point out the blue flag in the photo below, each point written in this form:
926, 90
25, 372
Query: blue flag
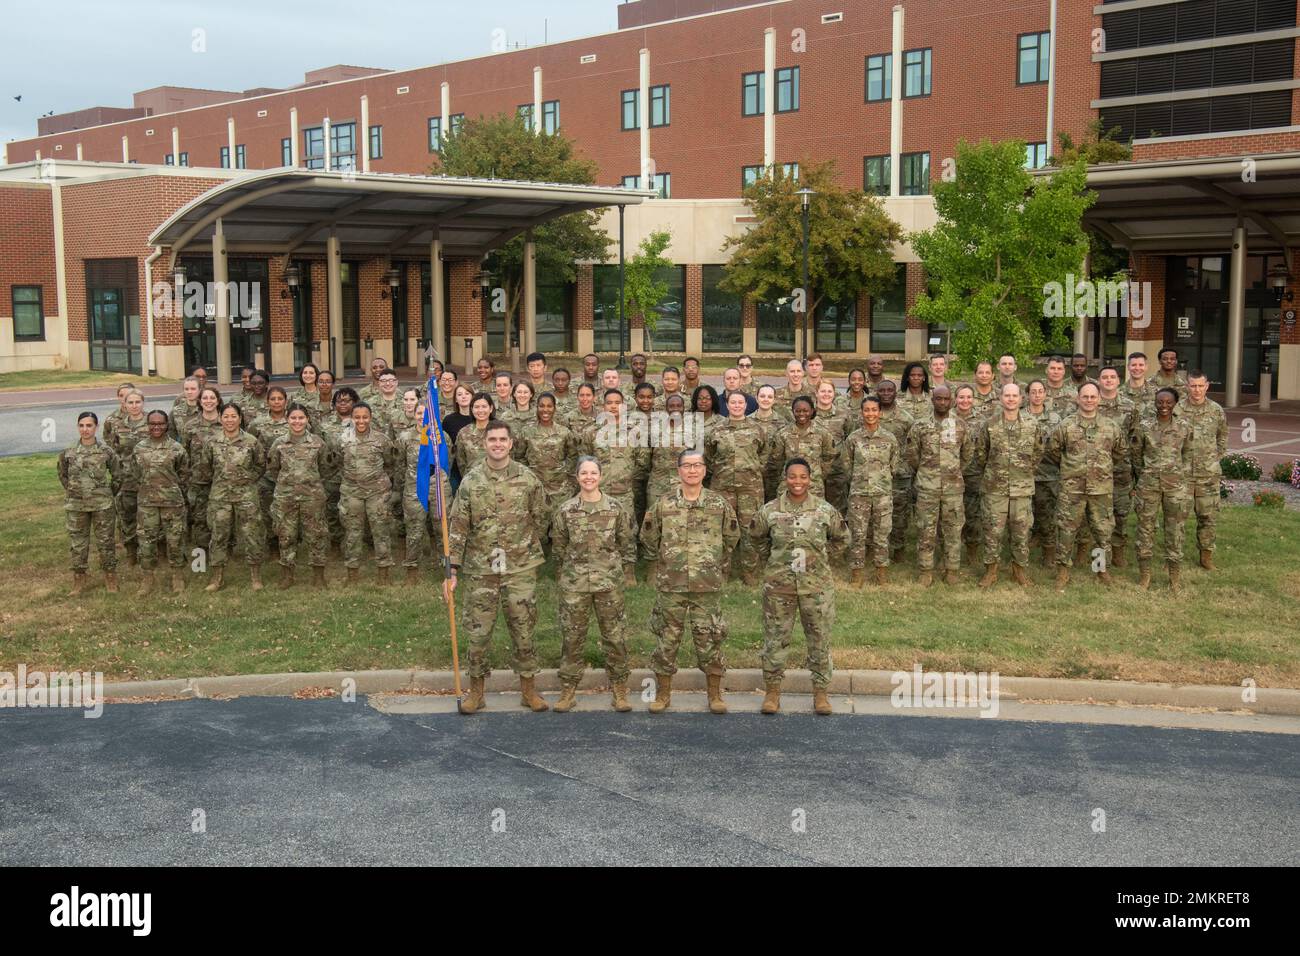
433, 452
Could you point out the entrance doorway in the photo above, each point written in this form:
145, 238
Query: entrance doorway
401, 323
351, 317
247, 304
112, 304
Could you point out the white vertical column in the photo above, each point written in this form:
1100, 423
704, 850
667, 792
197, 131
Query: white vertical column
896, 105
126, 150
445, 125
769, 98
437, 310
325, 144
1236, 317
334, 302
176, 145
294, 156
537, 99
1051, 78
364, 146
643, 109
220, 280
78, 152
230, 140
529, 338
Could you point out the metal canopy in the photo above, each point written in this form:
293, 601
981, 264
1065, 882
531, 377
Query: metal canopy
286, 211
1174, 206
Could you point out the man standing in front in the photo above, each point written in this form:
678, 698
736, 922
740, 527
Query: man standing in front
1079, 376
1169, 376
1060, 393
1138, 389
496, 528
938, 451
1124, 413
939, 372
1011, 452
1209, 444
689, 535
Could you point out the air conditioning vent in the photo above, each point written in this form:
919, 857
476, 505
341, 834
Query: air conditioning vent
403, 89
589, 58
832, 17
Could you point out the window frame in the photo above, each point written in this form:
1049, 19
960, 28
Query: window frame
40, 311
308, 157
902, 172
1038, 149
169, 160
664, 91
792, 79
286, 151
525, 112
184, 158
1043, 57
635, 103
887, 78
455, 123
551, 122
375, 138
435, 123
744, 170
241, 156
758, 93
886, 164
223, 155
336, 154
927, 72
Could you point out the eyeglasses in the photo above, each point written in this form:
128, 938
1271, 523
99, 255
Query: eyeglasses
745, 365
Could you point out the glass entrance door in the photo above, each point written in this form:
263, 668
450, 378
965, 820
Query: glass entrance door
401, 325
1263, 339
246, 304
110, 340
351, 316
302, 317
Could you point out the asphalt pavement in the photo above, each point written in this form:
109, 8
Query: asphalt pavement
274, 781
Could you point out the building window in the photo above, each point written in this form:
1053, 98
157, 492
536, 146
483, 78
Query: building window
776, 323
790, 171
751, 94
837, 326
1035, 155
169, 160
435, 133
749, 175
343, 146
526, 115
554, 313
225, 157
889, 314
661, 182
880, 77
630, 117
185, 159
1034, 57
376, 142
915, 174
313, 147
241, 157
551, 117
670, 329
457, 121
29, 313
659, 103
787, 90
722, 313
605, 323
916, 72
286, 152
875, 175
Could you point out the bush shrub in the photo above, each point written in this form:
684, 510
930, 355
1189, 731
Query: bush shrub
1268, 499
1282, 471
1240, 467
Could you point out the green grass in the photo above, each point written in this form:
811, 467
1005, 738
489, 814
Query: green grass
67, 378
1240, 622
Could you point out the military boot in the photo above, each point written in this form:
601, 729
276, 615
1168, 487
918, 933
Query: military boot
855, 579
1207, 560
716, 704
110, 582
951, 578
1018, 575
568, 698
353, 576
255, 577
821, 704
78, 582
218, 576
1062, 578
318, 578
663, 693
473, 702
882, 576
1049, 557
925, 579
1082, 556
146, 583
990, 575
619, 692
530, 698
1144, 574
178, 582
412, 577
381, 577
286, 577
1104, 578
1117, 559
1175, 578
772, 699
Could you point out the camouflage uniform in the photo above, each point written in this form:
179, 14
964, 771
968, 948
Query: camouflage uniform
126, 436
163, 471
642, 430
690, 541
867, 463
793, 541
333, 430
737, 457
784, 396
198, 435
1124, 413
369, 463
899, 423
919, 407
112, 422
770, 423
1011, 452
813, 443
939, 451
388, 416
1144, 398
1162, 458
592, 542
89, 475
296, 467
661, 399
495, 531
234, 466
986, 404
551, 453
252, 406
413, 516
663, 478
1047, 479
850, 405
623, 464
583, 426
310, 402
268, 431
181, 414
973, 475
517, 419
1177, 381
470, 448
1063, 400
1209, 445
1088, 451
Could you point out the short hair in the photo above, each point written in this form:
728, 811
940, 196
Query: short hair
188, 378
797, 460
532, 392
1091, 385
536, 357
1078, 355
587, 459
91, 415
157, 411
1056, 358
1171, 391
613, 391
984, 362
645, 387
745, 355
770, 388
388, 373
1108, 368
557, 371
277, 388
546, 396
199, 368
690, 358
258, 373
681, 455
870, 400
804, 398
591, 355
1161, 353
814, 355
1133, 355
637, 355
496, 425
670, 368
490, 363
1006, 355
346, 390
365, 405
1197, 373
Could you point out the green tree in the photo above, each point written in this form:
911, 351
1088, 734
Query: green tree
643, 290
1002, 238
850, 241
502, 147
1098, 146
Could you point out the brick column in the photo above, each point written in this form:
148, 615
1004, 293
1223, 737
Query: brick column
694, 317
168, 323
1146, 333
584, 309
414, 314
280, 321
863, 343
376, 313
1288, 365
916, 340
748, 325
466, 315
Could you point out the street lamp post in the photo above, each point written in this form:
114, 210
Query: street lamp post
805, 195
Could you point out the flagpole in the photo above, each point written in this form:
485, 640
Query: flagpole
435, 438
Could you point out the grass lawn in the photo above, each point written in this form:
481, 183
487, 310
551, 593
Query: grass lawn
1240, 622
68, 378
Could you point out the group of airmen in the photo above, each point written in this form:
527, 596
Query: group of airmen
770, 484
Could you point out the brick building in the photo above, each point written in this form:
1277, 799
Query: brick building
691, 98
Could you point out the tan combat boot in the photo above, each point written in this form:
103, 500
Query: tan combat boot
855, 579
78, 582
1117, 559
1175, 578
882, 576
1062, 578
1144, 574
951, 578
146, 583
178, 582
530, 698
716, 704
381, 577
1207, 560
412, 577
286, 577
318, 578
663, 693
619, 693
255, 577
821, 703
1049, 557
473, 702
1018, 575
990, 575
925, 579
1082, 556
218, 577
1104, 578
772, 699
110, 582
354, 576
568, 698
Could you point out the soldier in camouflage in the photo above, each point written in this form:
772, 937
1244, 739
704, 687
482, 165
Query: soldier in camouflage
130, 430
1125, 413
581, 418
90, 471
592, 536
624, 459
898, 422
233, 464
737, 458
411, 511
184, 408
471, 448
689, 535
1209, 445
296, 466
1089, 448
1169, 375
115, 417
550, 451
387, 415
268, 428
965, 409
1138, 389
199, 431
676, 431
984, 391
335, 427
867, 464
1011, 449
1162, 458
802, 438
1047, 478
162, 471
366, 494
938, 450
495, 534
252, 403
1060, 394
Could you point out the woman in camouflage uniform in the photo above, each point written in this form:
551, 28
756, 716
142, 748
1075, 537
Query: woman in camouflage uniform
115, 417
90, 472
520, 412
366, 494
668, 443
1047, 478
163, 471
581, 419
185, 408
130, 430
470, 449
296, 467
549, 450
198, 432
333, 427
1162, 460
307, 393
414, 519
802, 439
268, 428
234, 463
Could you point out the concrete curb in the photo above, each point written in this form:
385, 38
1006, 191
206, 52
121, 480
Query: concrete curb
1276, 701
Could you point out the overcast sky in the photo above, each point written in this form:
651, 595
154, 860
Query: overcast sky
73, 54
